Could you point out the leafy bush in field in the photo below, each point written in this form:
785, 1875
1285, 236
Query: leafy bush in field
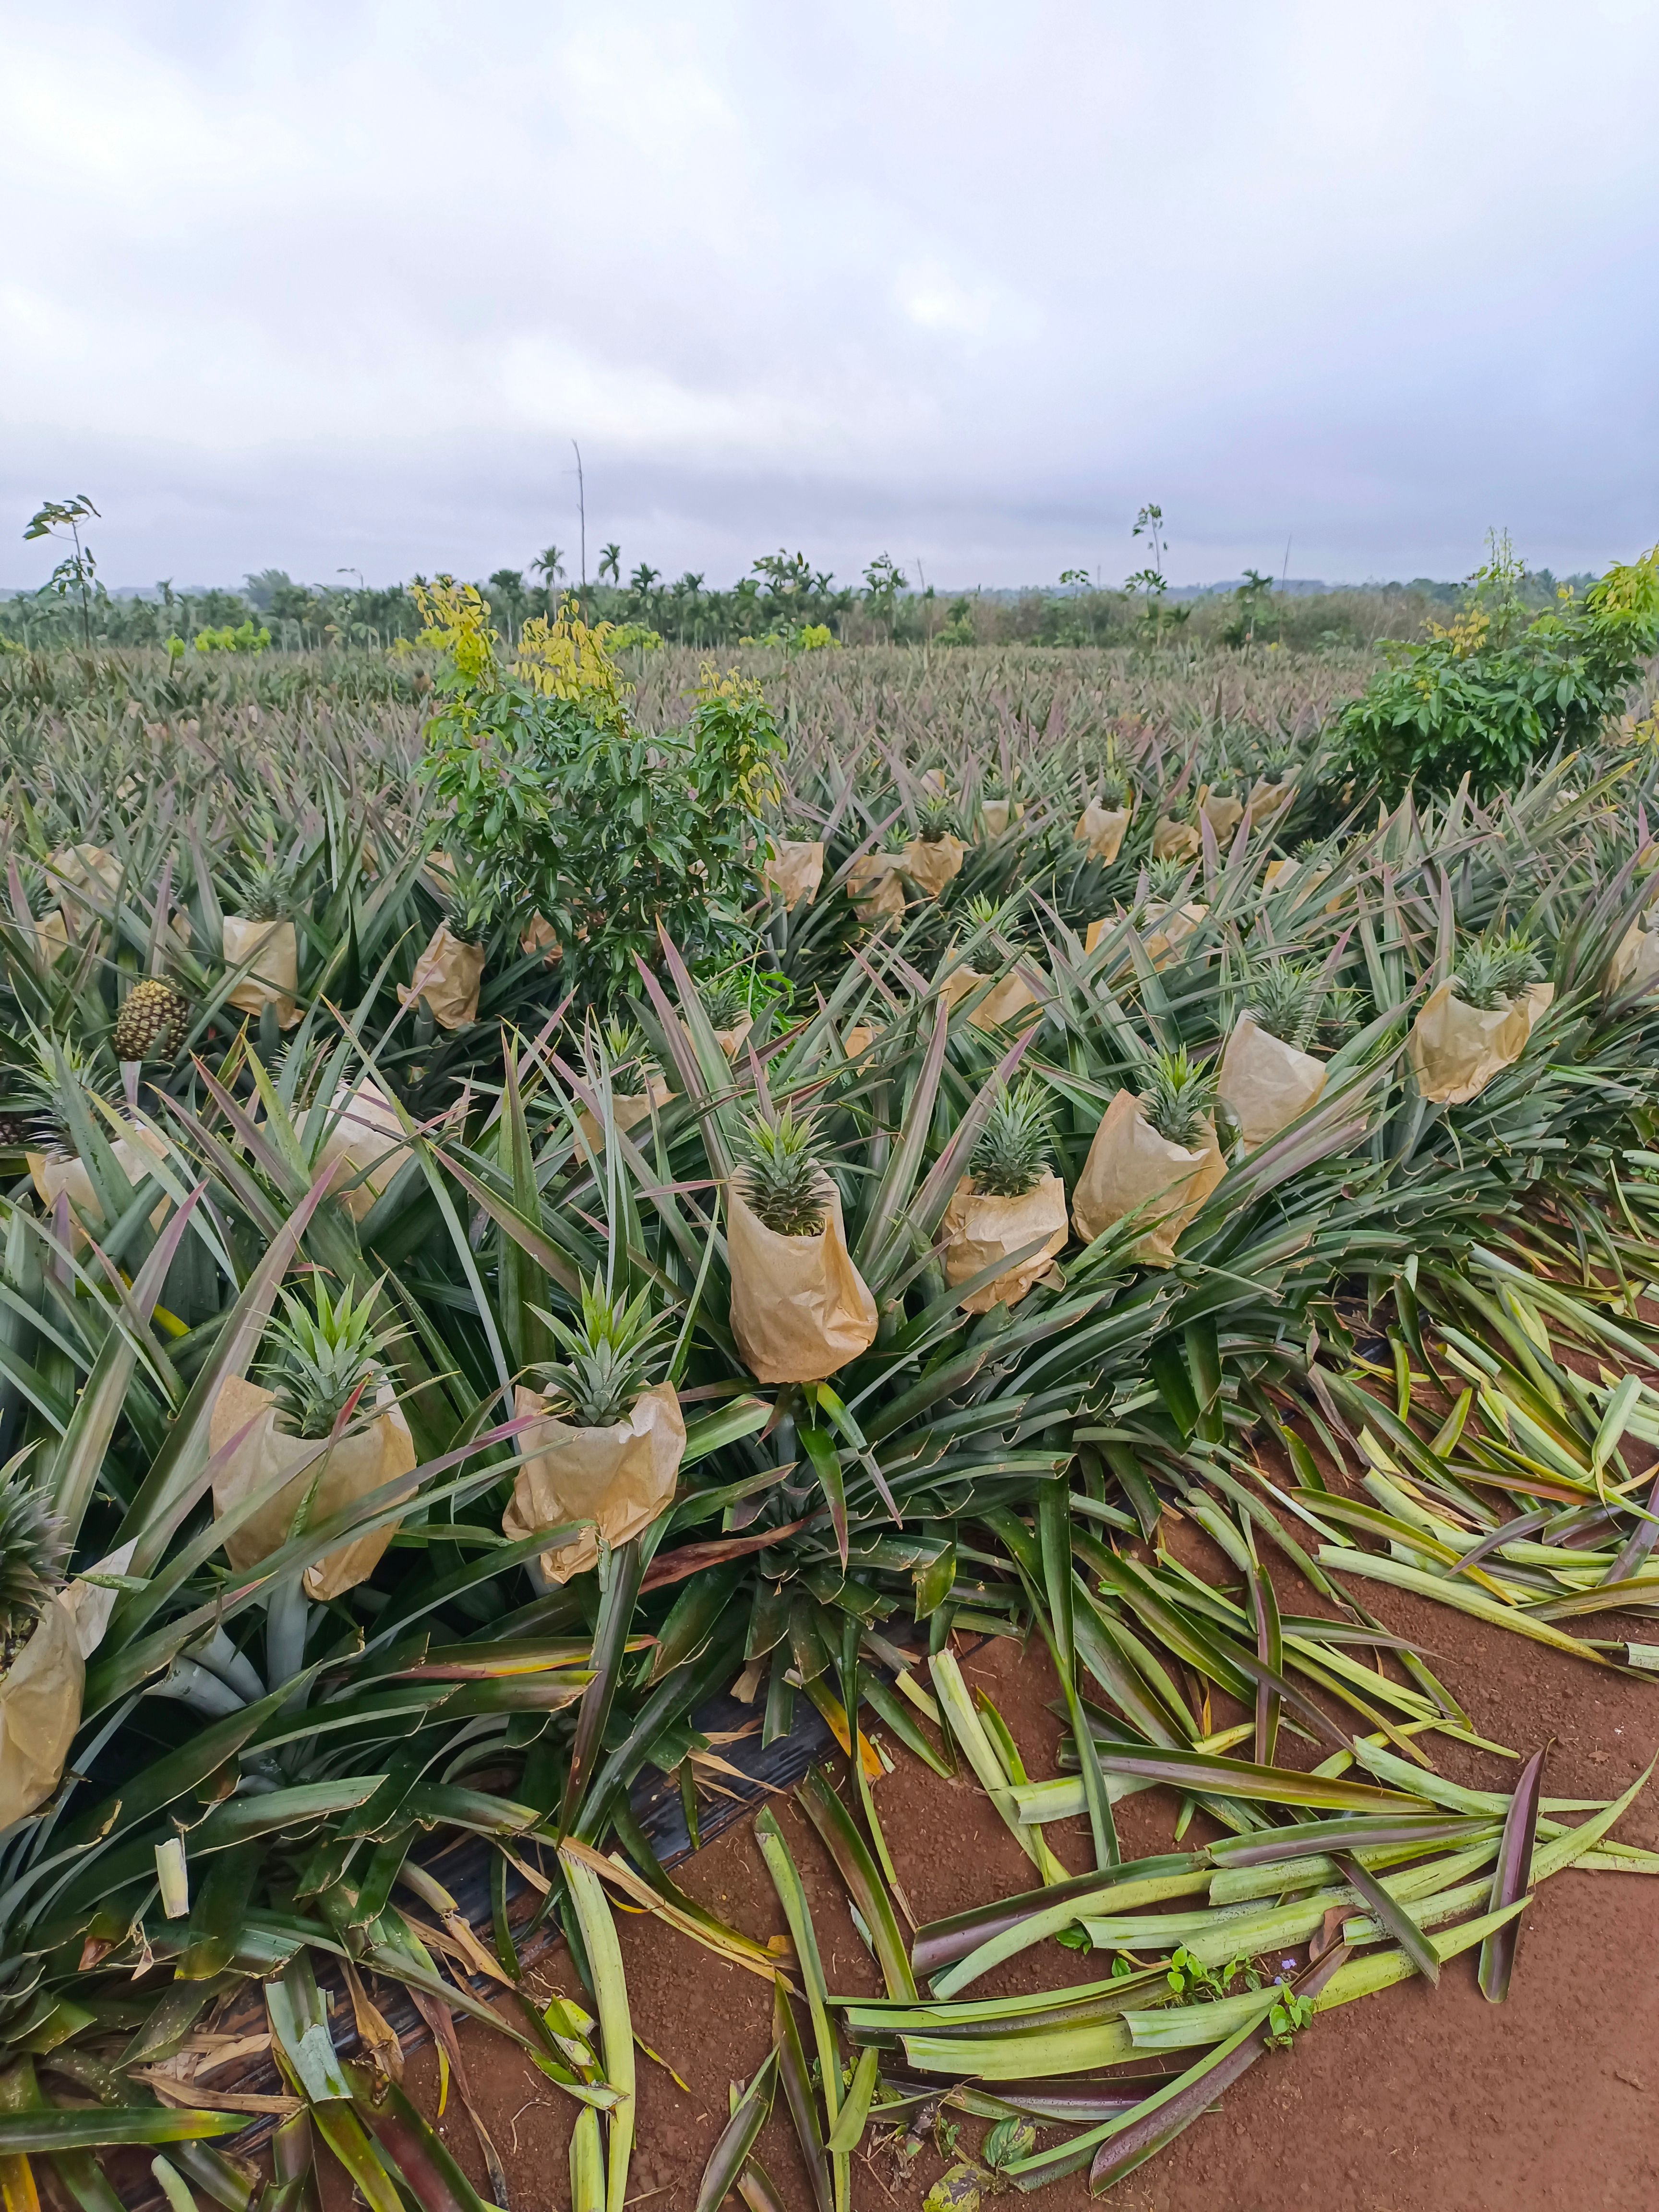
1485, 694
579, 816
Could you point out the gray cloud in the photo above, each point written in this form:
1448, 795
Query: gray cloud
323, 285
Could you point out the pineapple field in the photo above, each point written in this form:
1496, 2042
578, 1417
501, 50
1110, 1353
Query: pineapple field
1028, 1280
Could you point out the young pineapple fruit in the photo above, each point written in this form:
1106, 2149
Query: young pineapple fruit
319, 1357
1012, 1152
153, 1023
1177, 1099
1284, 1000
610, 1358
784, 1184
31, 1559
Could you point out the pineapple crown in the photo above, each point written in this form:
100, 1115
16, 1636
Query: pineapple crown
1284, 999
52, 1063
1342, 1014
1178, 1097
1518, 961
784, 1183
1012, 1150
319, 1357
1165, 878
895, 837
1307, 848
32, 1551
610, 1356
471, 906
936, 819
268, 887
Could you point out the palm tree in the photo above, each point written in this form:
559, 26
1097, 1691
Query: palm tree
548, 565
610, 563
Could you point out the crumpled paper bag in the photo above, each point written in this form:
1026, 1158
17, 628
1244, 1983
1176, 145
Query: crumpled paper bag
959, 984
858, 1041
876, 886
1096, 930
1129, 1164
275, 950
41, 1695
1169, 927
1005, 1002
1176, 840
800, 1309
367, 1135
731, 1042
931, 865
1102, 830
1457, 1048
620, 1476
1635, 966
360, 1462
932, 780
539, 936
980, 1230
628, 1110
447, 975
995, 814
794, 871
83, 868
1266, 799
51, 1176
1223, 815
1267, 1082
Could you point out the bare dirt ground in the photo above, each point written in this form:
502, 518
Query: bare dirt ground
1417, 2100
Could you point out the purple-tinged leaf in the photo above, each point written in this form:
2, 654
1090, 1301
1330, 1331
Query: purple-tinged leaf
1510, 1878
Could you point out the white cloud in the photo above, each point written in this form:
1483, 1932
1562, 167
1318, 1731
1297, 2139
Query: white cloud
309, 284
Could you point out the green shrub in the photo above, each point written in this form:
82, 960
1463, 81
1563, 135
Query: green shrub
1485, 696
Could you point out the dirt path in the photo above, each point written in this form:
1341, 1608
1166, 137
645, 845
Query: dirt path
1417, 2100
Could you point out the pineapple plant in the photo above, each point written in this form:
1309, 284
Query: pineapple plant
1341, 1015
267, 888
1012, 1152
1178, 1097
32, 1558
784, 1184
1479, 976
321, 1357
153, 1023
1518, 962
611, 1357
937, 819
1284, 999
471, 907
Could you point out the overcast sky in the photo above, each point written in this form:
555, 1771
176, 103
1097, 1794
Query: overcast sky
322, 285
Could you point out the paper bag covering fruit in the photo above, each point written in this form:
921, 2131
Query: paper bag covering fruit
360, 1462
980, 1230
794, 871
1128, 1165
932, 863
1266, 799
1176, 840
1635, 966
366, 1136
447, 975
75, 868
273, 949
620, 1476
1266, 1082
1003, 1003
875, 884
628, 1110
133, 1155
1457, 1048
995, 815
800, 1309
1101, 830
960, 983
1169, 928
41, 1689
539, 936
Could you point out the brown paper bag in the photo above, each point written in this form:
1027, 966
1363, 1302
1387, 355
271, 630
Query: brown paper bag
995, 814
1169, 927
1102, 830
1176, 840
1003, 1003
731, 1042
620, 1477
1457, 1048
876, 886
447, 975
84, 868
1635, 966
360, 1462
40, 1711
931, 866
959, 984
800, 1309
932, 781
1223, 815
980, 1230
858, 1041
1130, 1165
628, 1110
50, 1176
794, 871
539, 937
1266, 799
367, 1135
273, 949
1096, 930
1267, 1082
